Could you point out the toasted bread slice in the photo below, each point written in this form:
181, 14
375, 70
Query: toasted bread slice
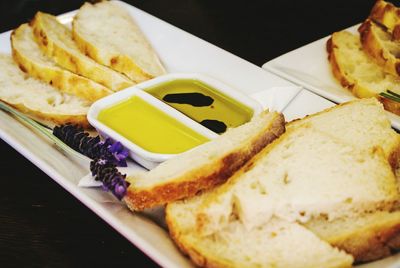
30, 58
276, 244
38, 100
115, 40
388, 15
309, 172
378, 44
56, 42
357, 72
204, 166
367, 238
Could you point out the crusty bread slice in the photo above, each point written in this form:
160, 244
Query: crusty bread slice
56, 42
356, 71
378, 44
388, 15
361, 123
276, 244
115, 40
37, 99
308, 172
367, 238
304, 174
30, 58
204, 166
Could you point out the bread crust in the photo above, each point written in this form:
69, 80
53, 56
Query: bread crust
185, 247
197, 180
345, 80
388, 15
373, 46
76, 64
372, 242
64, 80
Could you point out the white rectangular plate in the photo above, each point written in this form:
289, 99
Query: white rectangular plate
179, 52
309, 67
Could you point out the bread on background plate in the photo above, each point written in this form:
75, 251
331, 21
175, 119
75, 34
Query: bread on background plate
387, 15
109, 35
31, 59
380, 46
358, 72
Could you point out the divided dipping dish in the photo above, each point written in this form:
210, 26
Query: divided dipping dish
170, 114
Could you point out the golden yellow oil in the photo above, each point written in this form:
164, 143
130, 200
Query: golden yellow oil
150, 128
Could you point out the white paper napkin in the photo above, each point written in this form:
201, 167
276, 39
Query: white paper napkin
276, 98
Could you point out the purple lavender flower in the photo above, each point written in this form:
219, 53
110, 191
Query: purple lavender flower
119, 153
106, 155
105, 171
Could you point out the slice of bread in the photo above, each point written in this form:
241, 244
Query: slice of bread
39, 100
360, 123
307, 173
378, 44
388, 15
56, 42
276, 244
204, 166
109, 35
30, 59
367, 238
303, 175
356, 71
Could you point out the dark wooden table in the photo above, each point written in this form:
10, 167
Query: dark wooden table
41, 225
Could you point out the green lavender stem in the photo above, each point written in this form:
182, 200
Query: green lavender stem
43, 130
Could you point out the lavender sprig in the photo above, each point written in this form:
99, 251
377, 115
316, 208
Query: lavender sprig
106, 155
106, 172
92, 147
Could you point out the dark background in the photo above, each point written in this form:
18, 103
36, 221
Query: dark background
41, 225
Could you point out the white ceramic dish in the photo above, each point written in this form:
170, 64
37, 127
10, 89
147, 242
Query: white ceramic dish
147, 158
308, 66
144, 157
147, 231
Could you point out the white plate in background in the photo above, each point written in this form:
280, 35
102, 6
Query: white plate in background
308, 66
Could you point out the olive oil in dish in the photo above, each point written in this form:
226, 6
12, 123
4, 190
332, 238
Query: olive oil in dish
149, 127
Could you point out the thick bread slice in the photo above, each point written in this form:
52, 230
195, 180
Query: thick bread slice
356, 71
304, 174
276, 244
309, 172
115, 40
37, 99
367, 238
30, 58
56, 42
361, 123
204, 166
378, 44
388, 15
